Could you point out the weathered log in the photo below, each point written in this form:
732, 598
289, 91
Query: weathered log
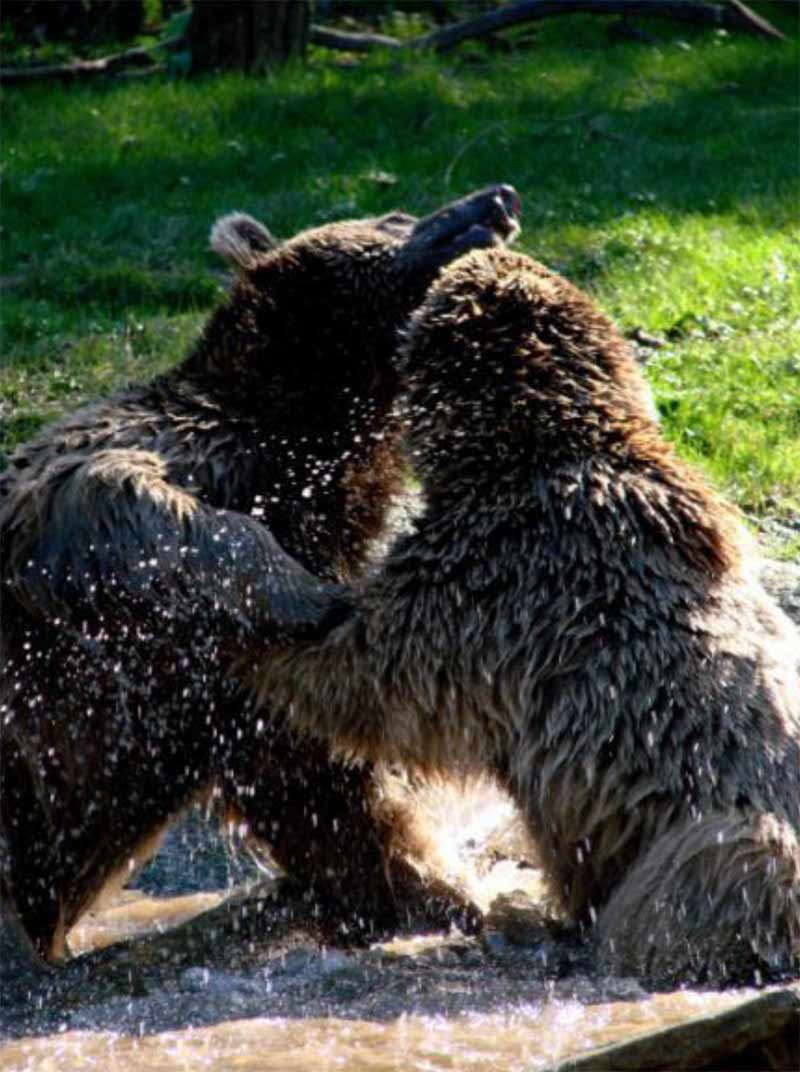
763, 1032
105, 65
114, 64
351, 42
732, 15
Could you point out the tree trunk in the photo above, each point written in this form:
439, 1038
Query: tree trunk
247, 35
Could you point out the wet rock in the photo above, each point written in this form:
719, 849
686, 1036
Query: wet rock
313, 964
782, 581
521, 921
212, 981
517, 923
761, 1034
534, 952
494, 942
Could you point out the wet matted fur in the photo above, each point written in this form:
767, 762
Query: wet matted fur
579, 614
142, 544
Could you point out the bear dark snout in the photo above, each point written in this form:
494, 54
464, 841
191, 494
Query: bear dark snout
489, 216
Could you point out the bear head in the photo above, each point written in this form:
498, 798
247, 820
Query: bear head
313, 321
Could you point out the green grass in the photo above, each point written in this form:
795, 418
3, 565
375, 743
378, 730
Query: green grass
661, 178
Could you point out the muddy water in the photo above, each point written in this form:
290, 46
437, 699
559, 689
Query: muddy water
241, 982
528, 1036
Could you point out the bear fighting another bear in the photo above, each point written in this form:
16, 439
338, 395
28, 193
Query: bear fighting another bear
137, 560
578, 613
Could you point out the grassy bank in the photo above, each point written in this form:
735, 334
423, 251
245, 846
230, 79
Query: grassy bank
661, 177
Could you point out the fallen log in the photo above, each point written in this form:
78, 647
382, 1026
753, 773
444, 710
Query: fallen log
733, 15
115, 64
762, 1032
351, 42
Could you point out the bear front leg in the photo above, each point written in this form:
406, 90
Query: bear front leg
328, 825
104, 543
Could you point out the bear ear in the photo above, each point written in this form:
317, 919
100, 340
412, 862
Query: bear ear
240, 239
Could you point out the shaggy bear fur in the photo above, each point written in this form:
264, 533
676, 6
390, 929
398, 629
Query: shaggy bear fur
137, 558
578, 613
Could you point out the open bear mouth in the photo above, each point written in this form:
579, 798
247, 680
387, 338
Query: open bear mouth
487, 218
506, 209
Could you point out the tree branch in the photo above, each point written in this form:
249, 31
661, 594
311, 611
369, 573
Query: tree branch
80, 69
732, 15
350, 42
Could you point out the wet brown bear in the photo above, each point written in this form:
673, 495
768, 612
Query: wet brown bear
578, 613
136, 557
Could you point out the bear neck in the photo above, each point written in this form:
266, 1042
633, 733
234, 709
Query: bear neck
305, 374
615, 480
329, 497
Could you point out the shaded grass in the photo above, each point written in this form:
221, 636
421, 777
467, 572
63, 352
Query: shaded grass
663, 179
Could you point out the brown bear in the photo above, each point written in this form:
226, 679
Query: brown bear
140, 544
578, 613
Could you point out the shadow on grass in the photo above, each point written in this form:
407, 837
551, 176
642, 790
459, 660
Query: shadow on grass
588, 131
